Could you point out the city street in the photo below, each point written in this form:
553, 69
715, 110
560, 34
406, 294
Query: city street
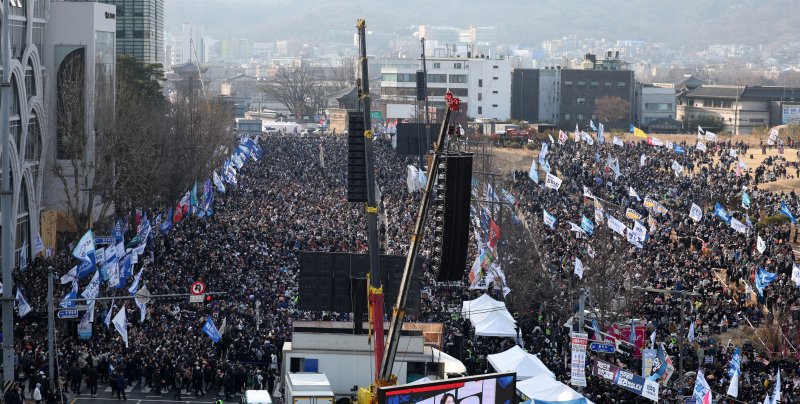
136, 395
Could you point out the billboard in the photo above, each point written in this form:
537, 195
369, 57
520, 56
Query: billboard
627, 380
791, 114
495, 388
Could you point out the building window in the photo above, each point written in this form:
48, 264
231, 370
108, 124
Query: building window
384, 76
708, 103
70, 114
18, 29
608, 84
567, 117
658, 107
757, 120
458, 78
495, 78
437, 65
581, 83
595, 84
621, 84
495, 92
437, 78
580, 101
480, 96
494, 67
580, 117
568, 83
480, 82
494, 105
727, 104
480, 110
457, 65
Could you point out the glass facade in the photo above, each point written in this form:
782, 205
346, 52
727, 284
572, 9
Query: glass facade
140, 29
24, 126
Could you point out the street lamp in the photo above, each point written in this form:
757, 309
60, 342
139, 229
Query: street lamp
681, 332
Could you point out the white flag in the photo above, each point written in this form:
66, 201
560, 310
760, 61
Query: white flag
22, 304
587, 192
70, 276
598, 215
699, 132
616, 225
738, 226
796, 275
711, 136
617, 141
141, 300
642, 160
93, 288
761, 246
733, 388
107, 320
121, 324
776, 394
773, 136
552, 182
38, 244
677, 168
695, 213
578, 268
732, 153
23, 257
690, 337
632, 193
701, 146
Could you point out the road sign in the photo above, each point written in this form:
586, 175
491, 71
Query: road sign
72, 313
197, 298
198, 288
602, 347
376, 115
104, 239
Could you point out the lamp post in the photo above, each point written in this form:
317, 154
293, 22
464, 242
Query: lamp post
682, 294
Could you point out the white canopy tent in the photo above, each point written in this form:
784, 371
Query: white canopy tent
518, 360
489, 317
543, 389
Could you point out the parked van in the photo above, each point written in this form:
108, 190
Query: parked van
256, 397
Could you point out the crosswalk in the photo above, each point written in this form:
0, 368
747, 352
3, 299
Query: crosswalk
129, 389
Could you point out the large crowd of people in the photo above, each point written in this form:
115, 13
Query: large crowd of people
290, 201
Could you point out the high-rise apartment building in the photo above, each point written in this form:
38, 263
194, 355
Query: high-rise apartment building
140, 28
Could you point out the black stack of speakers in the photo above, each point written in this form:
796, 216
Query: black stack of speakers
451, 216
356, 159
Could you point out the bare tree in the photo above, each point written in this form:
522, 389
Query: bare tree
296, 86
611, 109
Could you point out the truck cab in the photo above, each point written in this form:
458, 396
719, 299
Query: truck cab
308, 388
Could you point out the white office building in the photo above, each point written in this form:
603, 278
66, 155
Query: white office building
482, 84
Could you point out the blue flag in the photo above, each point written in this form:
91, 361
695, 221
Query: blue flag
218, 183
208, 194
723, 214
736, 362
587, 225
591, 125
84, 251
211, 330
763, 279
549, 220
166, 225
678, 149
632, 335
745, 200
786, 212
534, 172
631, 129
72, 294
659, 364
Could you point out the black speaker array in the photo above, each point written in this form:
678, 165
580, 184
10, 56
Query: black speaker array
420, 85
412, 139
356, 158
451, 216
337, 281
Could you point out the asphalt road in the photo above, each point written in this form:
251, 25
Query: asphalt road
137, 395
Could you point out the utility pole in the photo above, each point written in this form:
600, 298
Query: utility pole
681, 331
6, 249
51, 327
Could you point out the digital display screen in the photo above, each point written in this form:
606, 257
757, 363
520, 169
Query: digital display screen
498, 388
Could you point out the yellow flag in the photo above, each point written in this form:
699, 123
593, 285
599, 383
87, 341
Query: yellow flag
639, 133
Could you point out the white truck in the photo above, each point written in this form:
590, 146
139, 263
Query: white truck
308, 388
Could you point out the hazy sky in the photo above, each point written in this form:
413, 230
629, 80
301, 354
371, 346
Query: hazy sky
679, 22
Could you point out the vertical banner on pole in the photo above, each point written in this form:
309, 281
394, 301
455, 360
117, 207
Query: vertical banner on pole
579, 342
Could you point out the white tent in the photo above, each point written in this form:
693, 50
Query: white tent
483, 306
451, 364
518, 360
543, 389
494, 325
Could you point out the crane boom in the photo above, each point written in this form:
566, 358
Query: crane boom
396, 324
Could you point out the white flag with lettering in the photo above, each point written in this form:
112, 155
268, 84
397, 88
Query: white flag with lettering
121, 324
552, 182
695, 213
761, 246
578, 268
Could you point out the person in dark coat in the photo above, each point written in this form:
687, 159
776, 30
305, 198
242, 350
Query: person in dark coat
121, 385
91, 380
76, 374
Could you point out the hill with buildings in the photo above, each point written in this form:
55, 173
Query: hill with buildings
675, 22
